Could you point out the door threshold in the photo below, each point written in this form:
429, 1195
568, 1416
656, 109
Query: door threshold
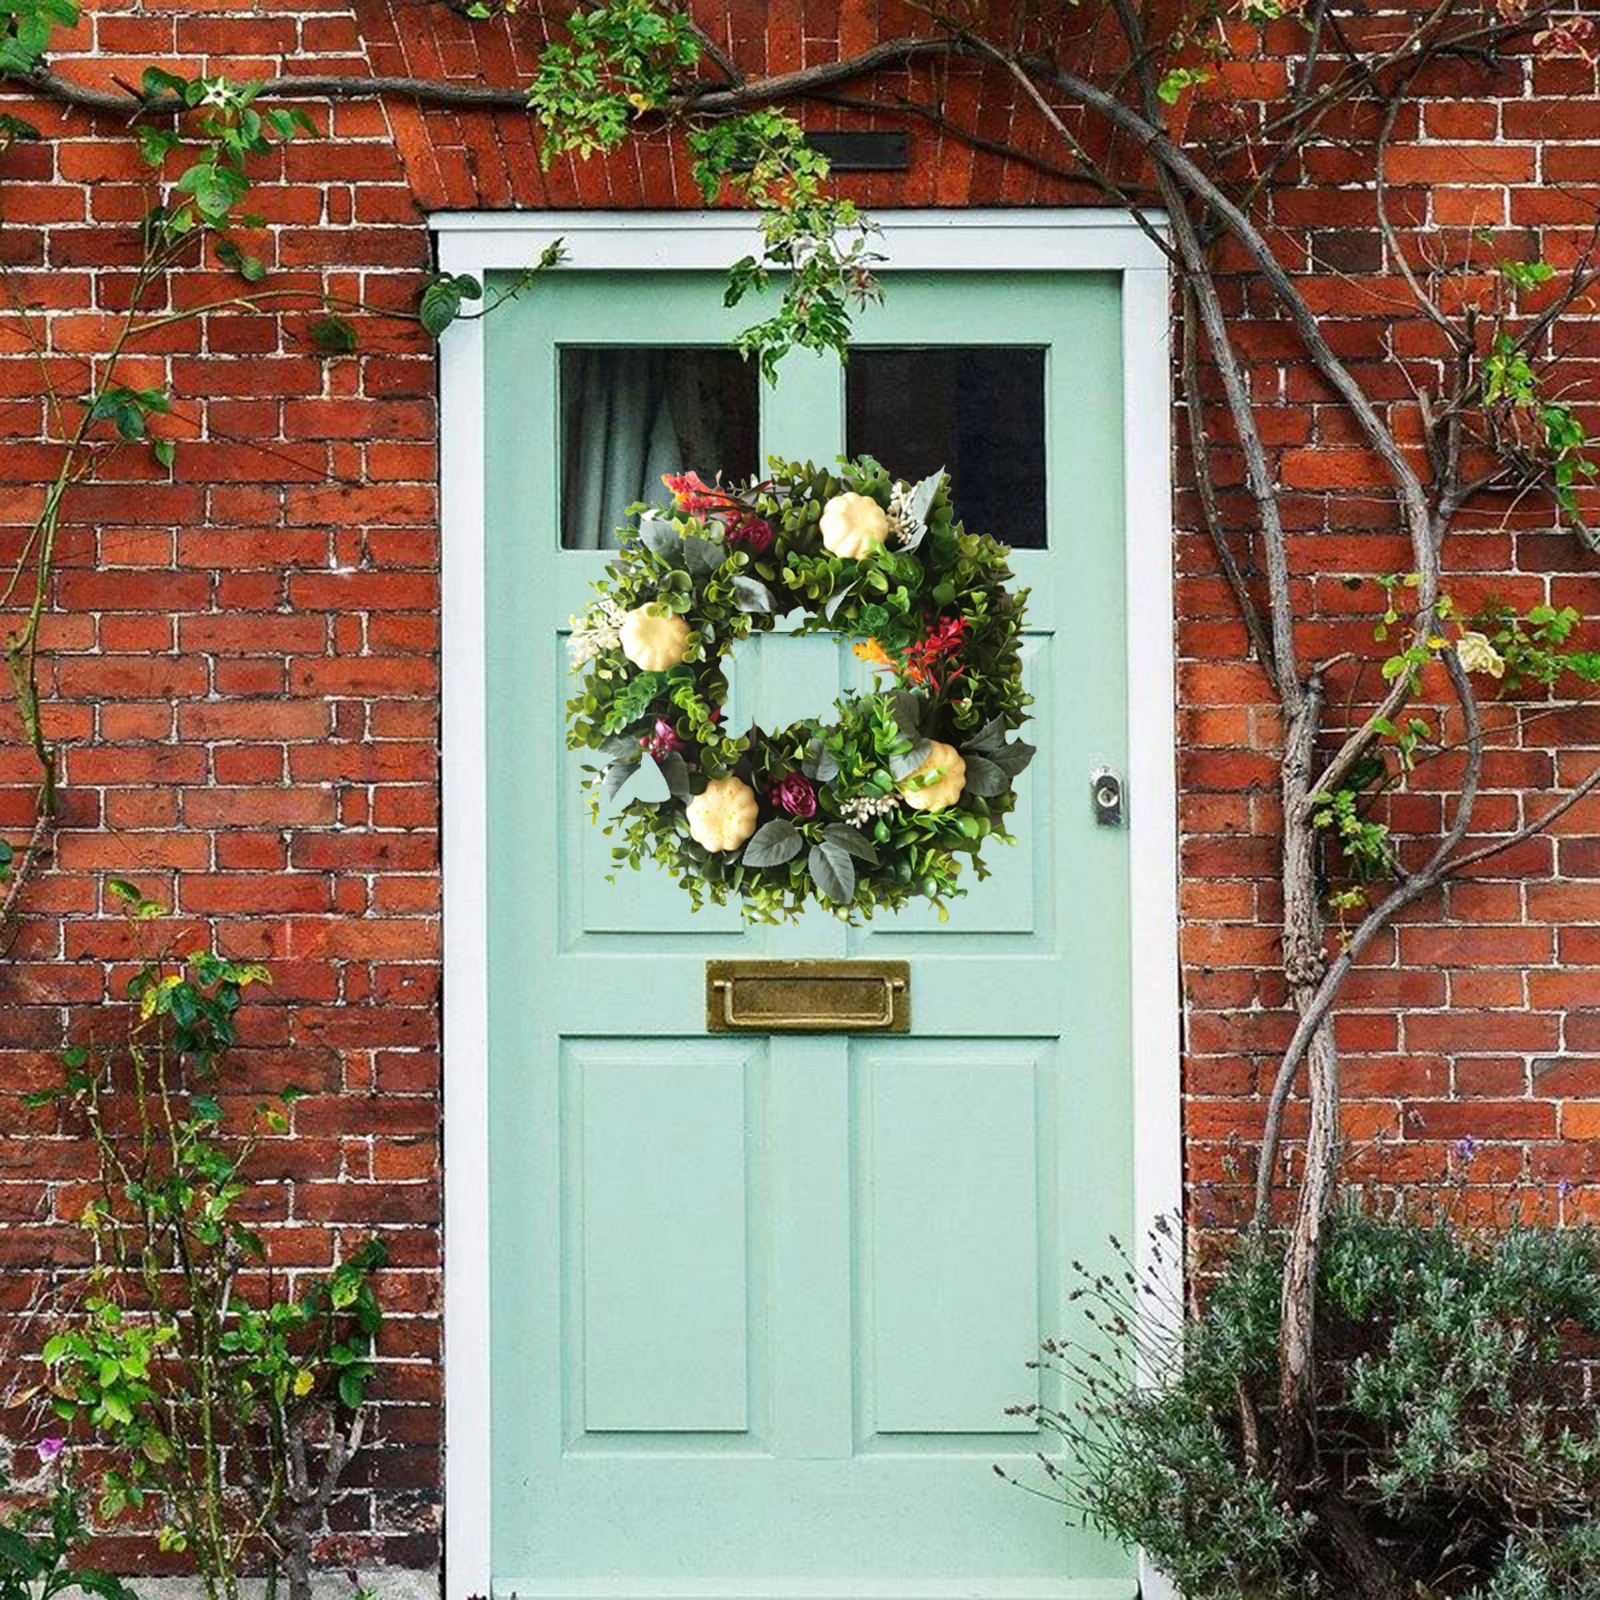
638, 1588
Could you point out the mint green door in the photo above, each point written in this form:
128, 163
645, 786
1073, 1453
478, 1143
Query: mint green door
760, 1305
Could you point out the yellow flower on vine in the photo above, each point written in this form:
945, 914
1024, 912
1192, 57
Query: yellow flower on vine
1477, 654
870, 651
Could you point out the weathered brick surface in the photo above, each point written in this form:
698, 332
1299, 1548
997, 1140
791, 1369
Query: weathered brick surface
244, 652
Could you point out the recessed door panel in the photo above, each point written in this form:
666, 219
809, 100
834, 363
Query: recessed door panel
658, 1150
952, 1139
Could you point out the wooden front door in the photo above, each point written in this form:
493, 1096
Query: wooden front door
760, 1304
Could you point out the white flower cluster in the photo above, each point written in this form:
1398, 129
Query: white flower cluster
864, 808
599, 628
901, 522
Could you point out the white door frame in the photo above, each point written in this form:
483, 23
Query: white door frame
944, 241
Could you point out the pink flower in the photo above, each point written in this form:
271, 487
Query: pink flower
50, 1448
691, 495
793, 793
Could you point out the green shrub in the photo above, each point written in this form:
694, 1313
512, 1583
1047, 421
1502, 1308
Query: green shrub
1458, 1449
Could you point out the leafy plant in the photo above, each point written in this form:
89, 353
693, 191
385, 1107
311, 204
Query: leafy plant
821, 243
1462, 1453
1534, 646
26, 29
38, 1541
620, 60
211, 1381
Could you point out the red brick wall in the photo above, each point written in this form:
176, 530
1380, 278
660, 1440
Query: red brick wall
243, 653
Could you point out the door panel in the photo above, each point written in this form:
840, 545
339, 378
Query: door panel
947, 1203
761, 1305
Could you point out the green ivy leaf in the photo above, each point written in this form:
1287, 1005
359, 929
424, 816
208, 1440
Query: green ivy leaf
442, 299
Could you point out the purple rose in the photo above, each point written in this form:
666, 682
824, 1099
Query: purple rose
793, 793
757, 533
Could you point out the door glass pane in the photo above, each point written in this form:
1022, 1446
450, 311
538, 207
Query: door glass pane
629, 413
975, 410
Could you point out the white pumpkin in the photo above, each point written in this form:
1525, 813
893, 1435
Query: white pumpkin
854, 526
946, 789
724, 815
652, 642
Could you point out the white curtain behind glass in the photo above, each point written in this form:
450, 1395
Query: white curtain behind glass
628, 415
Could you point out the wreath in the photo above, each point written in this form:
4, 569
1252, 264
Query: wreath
862, 813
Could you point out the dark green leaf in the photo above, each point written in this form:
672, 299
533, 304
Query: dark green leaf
1013, 758
833, 872
907, 709
989, 737
333, 335
618, 748
703, 556
440, 304
985, 778
902, 766
675, 773
616, 777
851, 841
819, 764
156, 83
660, 536
774, 844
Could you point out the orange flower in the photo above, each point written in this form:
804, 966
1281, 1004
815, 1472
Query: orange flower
870, 651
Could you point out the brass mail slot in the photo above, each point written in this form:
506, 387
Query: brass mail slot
808, 997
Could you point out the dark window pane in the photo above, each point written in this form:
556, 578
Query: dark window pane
631, 413
976, 410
